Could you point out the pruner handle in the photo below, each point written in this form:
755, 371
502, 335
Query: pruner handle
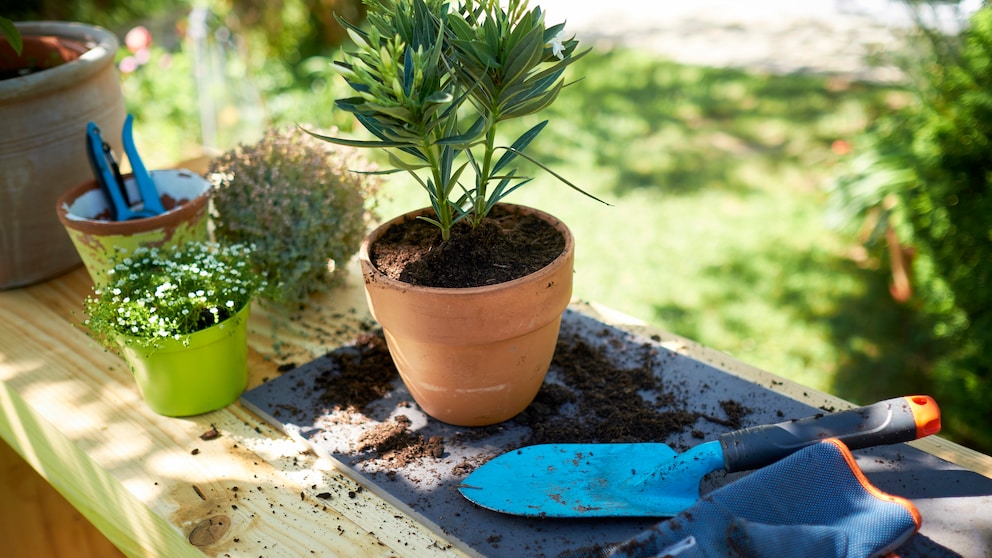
106, 171
901, 419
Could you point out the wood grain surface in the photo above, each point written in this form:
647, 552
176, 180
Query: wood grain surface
158, 486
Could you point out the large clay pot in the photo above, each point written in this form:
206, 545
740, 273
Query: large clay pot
42, 139
473, 356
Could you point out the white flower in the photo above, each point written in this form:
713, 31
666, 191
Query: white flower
160, 291
557, 48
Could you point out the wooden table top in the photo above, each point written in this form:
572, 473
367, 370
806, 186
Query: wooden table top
157, 486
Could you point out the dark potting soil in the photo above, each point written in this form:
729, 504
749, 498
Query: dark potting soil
18, 72
168, 203
505, 246
618, 404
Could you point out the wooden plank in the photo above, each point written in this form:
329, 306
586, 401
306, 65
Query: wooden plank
150, 483
35, 520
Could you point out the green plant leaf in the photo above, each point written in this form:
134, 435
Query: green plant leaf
355, 143
527, 55
466, 139
402, 165
519, 145
556, 175
501, 192
8, 28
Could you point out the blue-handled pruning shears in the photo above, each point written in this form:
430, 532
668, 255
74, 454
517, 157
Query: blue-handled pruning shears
108, 175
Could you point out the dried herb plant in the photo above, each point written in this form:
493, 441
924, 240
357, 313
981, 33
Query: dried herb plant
300, 203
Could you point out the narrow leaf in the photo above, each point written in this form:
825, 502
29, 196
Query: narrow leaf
468, 137
354, 143
519, 145
8, 29
556, 175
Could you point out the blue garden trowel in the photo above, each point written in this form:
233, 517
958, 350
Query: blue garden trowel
108, 175
652, 480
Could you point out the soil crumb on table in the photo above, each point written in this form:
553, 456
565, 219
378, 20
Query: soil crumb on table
611, 404
588, 399
395, 443
361, 375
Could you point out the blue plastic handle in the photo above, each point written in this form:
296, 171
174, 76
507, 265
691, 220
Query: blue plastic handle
104, 170
108, 175
146, 187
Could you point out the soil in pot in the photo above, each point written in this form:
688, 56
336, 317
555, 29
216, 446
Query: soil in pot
505, 246
38, 53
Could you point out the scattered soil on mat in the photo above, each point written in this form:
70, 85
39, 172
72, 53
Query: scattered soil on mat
505, 246
397, 445
363, 374
616, 404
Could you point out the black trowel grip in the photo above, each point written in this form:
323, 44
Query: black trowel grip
901, 419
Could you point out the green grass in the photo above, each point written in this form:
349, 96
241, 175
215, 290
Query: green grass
717, 228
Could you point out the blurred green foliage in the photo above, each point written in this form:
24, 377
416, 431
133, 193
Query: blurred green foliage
220, 74
927, 173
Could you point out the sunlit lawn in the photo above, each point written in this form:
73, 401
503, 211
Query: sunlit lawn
717, 226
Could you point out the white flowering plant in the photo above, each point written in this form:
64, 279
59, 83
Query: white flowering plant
433, 81
154, 294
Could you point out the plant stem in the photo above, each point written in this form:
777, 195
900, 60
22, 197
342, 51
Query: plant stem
485, 175
441, 204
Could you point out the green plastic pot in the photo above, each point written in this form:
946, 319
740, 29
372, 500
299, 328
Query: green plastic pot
208, 373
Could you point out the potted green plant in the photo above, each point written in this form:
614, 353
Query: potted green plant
179, 318
295, 199
435, 82
53, 76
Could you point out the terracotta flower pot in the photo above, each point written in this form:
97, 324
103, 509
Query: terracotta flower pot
84, 212
473, 356
42, 148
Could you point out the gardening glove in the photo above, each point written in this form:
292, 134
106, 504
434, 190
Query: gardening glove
815, 503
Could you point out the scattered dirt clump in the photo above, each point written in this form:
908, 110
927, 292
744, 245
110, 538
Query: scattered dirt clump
396, 444
616, 404
590, 400
361, 374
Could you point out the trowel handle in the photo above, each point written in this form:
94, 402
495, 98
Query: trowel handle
901, 419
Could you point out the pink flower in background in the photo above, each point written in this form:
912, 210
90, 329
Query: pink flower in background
128, 64
138, 38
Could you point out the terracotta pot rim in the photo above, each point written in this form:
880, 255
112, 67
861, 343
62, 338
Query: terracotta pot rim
100, 45
182, 212
548, 269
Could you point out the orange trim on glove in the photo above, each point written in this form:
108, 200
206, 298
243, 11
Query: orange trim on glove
871, 488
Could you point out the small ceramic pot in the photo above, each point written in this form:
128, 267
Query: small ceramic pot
84, 212
206, 371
